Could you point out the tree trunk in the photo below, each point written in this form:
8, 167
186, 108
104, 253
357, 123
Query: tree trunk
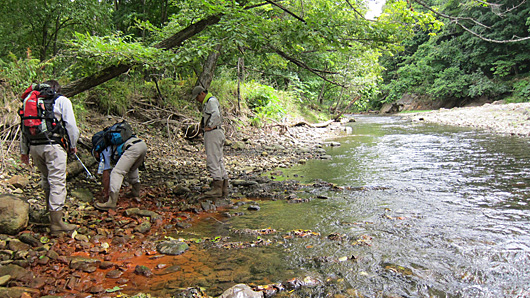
321, 95
111, 72
240, 65
347, 107
208, 69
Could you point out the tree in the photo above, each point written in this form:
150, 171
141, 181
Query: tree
457, 63
39, 25
305, 36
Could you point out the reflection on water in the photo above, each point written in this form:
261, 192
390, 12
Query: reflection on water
426, 211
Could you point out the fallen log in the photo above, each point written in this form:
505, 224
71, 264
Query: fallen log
316, 125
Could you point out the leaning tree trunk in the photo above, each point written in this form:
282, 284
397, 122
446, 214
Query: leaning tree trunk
337, 118
111, 72
206, 76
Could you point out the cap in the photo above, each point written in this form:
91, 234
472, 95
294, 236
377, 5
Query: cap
196, 91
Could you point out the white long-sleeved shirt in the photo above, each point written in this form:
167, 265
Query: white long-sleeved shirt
64, 112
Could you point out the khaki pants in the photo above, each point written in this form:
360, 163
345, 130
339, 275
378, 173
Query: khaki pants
214, 141
128, 164
51, 162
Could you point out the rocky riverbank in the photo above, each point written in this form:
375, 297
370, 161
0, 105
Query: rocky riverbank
114, 252
510, 119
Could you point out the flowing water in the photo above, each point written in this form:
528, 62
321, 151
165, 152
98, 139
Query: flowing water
418, 210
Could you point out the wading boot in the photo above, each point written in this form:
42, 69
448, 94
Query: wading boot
135, 191
216, 191
110, 204
225, 188
58, 226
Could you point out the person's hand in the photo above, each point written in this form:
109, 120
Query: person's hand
24, 158
73, 150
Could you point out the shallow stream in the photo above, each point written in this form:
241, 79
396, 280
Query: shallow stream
419, 210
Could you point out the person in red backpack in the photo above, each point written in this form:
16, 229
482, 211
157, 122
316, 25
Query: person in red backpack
48, 151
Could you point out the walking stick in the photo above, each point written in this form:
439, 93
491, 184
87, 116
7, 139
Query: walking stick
89, 175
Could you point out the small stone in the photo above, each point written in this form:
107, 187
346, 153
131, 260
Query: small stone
4, 279
114, 274
143, 270
253, 208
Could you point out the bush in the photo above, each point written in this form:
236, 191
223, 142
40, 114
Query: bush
521, 91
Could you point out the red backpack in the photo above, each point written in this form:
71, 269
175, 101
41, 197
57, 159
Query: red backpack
38, 121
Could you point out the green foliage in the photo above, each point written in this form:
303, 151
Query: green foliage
42, 25
264, 102
457, 64
114, 97
20, 73
94, 52
261, 96
521, 91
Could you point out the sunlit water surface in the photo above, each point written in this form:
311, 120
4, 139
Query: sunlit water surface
422, 211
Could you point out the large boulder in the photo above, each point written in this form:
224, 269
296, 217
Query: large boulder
14, 214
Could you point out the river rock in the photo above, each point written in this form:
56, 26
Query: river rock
144, 227
181, 190
29, 239
19, 292
143, 270
114, 274
239, 145
81, 263
19, 181
17, 245
241, 291
146, 213
16, 272
239, 182
14, 214
4, 279
172, 247
83, 195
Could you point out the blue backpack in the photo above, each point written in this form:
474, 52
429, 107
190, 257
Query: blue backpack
115, 136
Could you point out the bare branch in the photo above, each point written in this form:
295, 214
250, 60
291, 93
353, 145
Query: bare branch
317, 72
457, 21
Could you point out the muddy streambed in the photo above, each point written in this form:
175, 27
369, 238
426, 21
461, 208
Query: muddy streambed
400, 210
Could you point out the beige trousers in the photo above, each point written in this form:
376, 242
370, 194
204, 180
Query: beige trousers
51, 162
214, 141
128, 164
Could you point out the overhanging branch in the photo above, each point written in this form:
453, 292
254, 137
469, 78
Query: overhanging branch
458, 22
317, 72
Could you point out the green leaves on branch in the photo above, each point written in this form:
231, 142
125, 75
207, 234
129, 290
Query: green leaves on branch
93, 52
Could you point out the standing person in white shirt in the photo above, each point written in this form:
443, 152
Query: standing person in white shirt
48, 151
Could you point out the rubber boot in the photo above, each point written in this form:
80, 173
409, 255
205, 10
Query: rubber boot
110, 204
57, 225
135, 191
225, 188
216, 191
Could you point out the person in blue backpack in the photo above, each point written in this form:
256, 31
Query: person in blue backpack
126, 158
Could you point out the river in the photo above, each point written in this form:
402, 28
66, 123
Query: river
413, 210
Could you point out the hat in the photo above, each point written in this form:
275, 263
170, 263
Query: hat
196, 91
